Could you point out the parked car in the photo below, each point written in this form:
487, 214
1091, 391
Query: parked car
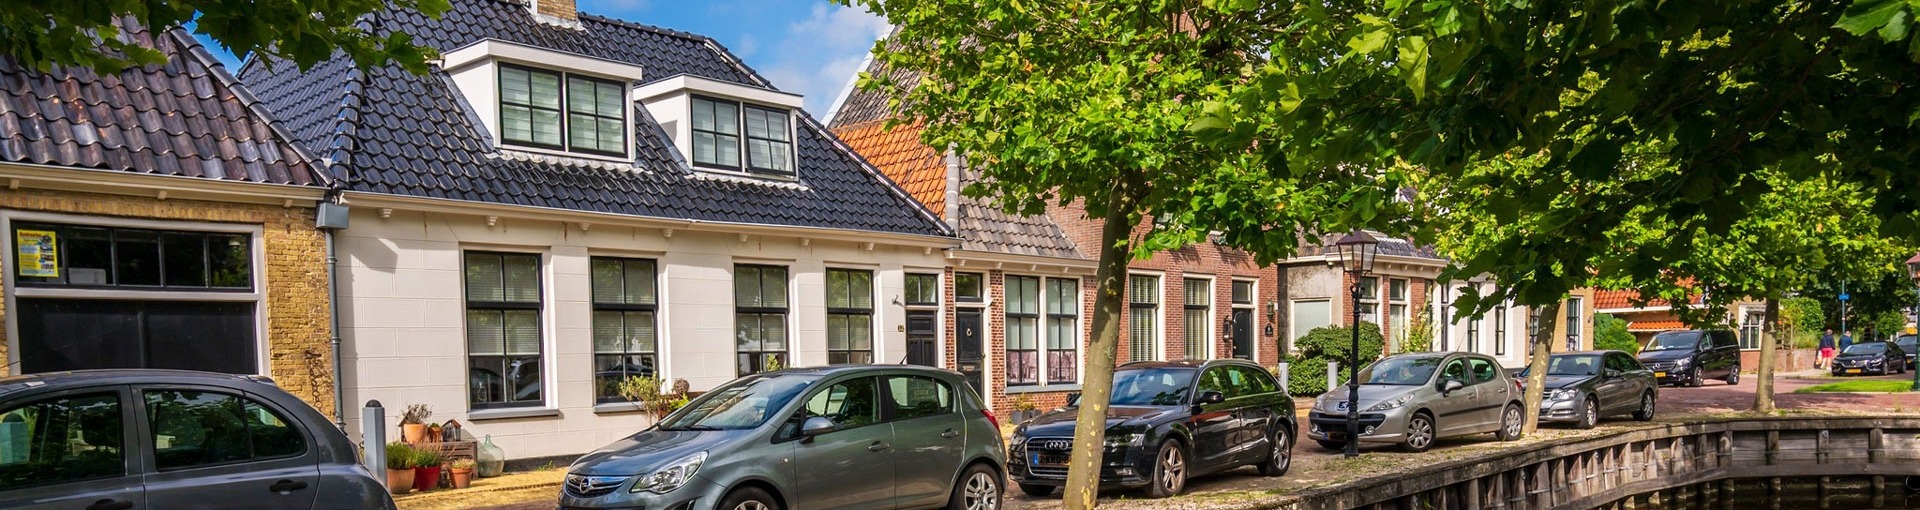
1691, 357
1873, 357
1907, 345
140, 439
1168, 422
1417, 398
849, 436
1583, 387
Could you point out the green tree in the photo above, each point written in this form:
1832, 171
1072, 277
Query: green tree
1307, 369
1610, 333
1804, 321
83, 32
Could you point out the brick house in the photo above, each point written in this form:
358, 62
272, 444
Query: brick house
569, 200
1747, 317
1015, 312
158, 218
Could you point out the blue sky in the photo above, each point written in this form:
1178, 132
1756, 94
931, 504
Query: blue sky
808, 47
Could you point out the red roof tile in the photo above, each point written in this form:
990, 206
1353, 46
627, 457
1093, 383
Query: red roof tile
1655, 326
898, 153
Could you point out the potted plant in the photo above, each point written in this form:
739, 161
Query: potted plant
413, 423
433, 433
1023, 409
426, 470
399, 468
646, 393
461, 470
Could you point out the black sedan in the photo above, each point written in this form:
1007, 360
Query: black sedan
1583, 387
1167, 422
1906, 343
1877, 357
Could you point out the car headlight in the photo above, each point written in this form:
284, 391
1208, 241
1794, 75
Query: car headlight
1682, 362
1125, 440
673, 476
1388, 405
1019, 438
1562, 394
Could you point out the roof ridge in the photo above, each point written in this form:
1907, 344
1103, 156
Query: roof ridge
194, 50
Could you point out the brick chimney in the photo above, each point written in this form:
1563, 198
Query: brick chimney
562, 10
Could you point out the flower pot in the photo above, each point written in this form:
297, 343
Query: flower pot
413, 433
400, 481
462, 477
426, 478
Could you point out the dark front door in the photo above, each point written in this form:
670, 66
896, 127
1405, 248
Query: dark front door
968, 351
922, 331
1242, 334
77, 334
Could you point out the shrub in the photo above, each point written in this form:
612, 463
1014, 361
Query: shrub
1307, 374
416, 414
1610, 333
400, 456
427, 457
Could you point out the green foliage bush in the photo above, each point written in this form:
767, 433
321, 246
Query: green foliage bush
1307, 371
1802, 319
401, 456
1610, 333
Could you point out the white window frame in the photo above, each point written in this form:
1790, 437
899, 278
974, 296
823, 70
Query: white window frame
1159, 313
938, 308
746, 162
1079, 324
1293, 314
566, 140
1376, 301
1208, 342
1398, 323
1253, 303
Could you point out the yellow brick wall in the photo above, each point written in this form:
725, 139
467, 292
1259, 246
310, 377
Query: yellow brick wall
296, 275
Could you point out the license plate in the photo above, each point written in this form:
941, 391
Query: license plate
1853, 370
1047, 459
1659, 374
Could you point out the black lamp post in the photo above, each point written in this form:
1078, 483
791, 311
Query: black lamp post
1357, 251
1913, 271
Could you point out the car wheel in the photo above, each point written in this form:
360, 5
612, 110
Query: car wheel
1280, 455
1510, 424
1733, 379
1589, 414
1420, 433
978, 489
1645, 412
749, 498
1698, 378
1169, 471
1038, 491
1332, 446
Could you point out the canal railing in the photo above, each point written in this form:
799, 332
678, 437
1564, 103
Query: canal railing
1588, 473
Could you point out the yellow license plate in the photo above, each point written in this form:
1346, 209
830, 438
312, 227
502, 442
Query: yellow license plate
1659, 374
1853, 370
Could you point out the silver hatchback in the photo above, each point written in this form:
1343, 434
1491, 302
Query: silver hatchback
1414, 399
842, 437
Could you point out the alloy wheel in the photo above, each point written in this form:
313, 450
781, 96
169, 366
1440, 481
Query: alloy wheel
1510, 423
1646, 408
1280, 457
1591, 416
1173, 471
981, 492
1419, 432
751, 505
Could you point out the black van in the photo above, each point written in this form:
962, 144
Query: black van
1689, 358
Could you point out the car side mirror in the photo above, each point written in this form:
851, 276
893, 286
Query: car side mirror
1210, 397
1073, 398
1451, 385
815, 426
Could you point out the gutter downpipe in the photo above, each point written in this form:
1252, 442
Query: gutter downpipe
333, 316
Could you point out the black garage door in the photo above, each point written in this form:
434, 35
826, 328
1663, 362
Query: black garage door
75, 334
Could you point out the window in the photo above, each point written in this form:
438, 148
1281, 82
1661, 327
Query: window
760, 317
1242, 293
1063, 331
718, 140
1199, 317
966, 287
625, 341
850, 404
1143, 317
923, 289
1483, 370
53, 255
194, 428
1445, 315
1217, 379
1309, 315
914, 397
1751, 322
595, 119
1573, 324
849, 316
1254, 381
61, 440
1398, 308
1369, 302
1023, 330
503, 329
1500, 329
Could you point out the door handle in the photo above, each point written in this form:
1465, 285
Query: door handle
285, 486
110, 504
877, 447
950, 434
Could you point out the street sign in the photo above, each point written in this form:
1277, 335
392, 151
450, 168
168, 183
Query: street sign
1844, 297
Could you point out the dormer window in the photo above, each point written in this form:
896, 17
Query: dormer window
719, 141
562, 111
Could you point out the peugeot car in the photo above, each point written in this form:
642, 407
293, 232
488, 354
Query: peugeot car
1689, 358
1168, 422
1880, 357
1414, 399
1583, 387
849, 436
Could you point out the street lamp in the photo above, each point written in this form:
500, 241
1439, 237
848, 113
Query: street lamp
1357, 251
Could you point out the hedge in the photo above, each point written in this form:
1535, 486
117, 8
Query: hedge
1307, 368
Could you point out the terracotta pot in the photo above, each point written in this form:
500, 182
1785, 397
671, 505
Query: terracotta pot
426, 478
413, 433
462, 478
400, 481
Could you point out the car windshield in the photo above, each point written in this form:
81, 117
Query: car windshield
1872, 348
1573, 365
1160, 386
742, 404
1906, 342
1402, 371
1673, 340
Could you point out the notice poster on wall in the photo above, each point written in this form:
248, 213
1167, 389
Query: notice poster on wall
39, 253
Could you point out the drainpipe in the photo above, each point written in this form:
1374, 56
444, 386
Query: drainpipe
331, 216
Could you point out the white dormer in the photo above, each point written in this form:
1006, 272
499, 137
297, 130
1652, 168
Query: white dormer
726, 127
546, 101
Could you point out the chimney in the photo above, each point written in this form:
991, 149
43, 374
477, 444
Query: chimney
562, 11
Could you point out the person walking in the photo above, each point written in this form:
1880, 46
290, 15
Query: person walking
1846, 339
1826, 350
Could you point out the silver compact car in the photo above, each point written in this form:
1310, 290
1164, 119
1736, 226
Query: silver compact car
841, 437
1583, 387
1415, 399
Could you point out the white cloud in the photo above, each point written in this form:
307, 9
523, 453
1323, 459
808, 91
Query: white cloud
818, 56
746, 47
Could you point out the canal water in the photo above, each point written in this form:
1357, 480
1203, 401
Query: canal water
1833, 493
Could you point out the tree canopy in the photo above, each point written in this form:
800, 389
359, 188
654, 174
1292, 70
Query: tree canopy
82, 33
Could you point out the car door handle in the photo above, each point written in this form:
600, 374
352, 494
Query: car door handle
110, 504
877, 447
950, 434
286, 486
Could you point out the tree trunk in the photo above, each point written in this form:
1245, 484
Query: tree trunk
1090, 429
1542, 348
1763, 378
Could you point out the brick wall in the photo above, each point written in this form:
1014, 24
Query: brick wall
295, 275
563, 9
1784, 360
